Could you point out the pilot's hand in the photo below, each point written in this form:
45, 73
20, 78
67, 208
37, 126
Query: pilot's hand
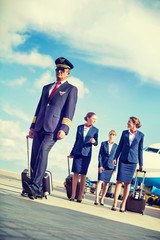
31, 133
92, 140
70, 156
61, 134
141, 168
114, 162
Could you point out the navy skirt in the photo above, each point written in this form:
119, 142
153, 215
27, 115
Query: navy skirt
80, 164
106, 175
126, 171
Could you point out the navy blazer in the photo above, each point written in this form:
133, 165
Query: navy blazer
56, 113
84, 146
105, 159
132, 153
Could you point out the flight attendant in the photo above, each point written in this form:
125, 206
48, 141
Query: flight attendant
129, 152
105, 166
87, 135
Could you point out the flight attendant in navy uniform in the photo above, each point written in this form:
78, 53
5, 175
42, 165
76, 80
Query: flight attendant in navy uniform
87, 135
105, 166
51, 122
129, 152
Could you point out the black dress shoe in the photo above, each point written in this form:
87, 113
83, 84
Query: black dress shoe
33, 191
29, 190
71, 199
114, 209
37, 190
100, 201
122, 210
95, 203
79, 201
31, 196
24, 194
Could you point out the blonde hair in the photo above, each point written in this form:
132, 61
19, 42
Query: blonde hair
113, 131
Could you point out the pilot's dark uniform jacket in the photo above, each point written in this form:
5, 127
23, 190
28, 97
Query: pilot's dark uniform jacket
56, 113
53, 114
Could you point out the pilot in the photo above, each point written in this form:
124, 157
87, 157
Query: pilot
51, 122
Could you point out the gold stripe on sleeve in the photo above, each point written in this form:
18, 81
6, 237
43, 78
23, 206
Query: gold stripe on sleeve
66, 121
34, 119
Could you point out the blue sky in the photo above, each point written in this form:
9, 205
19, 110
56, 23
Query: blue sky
115, 48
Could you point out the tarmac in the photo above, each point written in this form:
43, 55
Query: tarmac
58, 218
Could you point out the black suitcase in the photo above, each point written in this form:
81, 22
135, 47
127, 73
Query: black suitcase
47, 184
111, 190
26, 177
136, 201
68, 182
26, 174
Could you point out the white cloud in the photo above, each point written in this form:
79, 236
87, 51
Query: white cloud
17, 82
123, 34
32, 58
13, 111
45, 79
82, 90
12, 141
10, 130
16, 21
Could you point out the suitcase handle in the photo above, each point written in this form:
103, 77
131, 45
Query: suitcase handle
68, 161
28, 162
134, 190
141, 171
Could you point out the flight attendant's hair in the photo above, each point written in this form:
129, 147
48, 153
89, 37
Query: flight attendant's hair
89, 115
136, 121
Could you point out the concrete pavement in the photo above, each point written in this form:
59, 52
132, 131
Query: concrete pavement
58, 218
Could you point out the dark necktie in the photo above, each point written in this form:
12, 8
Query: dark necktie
55, 88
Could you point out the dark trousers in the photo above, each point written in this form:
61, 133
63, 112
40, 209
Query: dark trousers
42, 144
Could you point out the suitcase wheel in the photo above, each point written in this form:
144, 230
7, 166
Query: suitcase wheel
45, 195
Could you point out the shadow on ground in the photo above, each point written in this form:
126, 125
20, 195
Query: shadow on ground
21, 219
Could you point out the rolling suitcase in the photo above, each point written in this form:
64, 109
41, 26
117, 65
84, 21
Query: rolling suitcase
111, 190
136, 201
47, 184
68, 183
26, 174
26, 177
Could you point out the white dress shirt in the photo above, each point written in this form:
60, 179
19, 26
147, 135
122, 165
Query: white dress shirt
131, 137
85, 131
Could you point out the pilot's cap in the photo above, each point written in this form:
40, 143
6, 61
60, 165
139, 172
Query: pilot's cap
63, 63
